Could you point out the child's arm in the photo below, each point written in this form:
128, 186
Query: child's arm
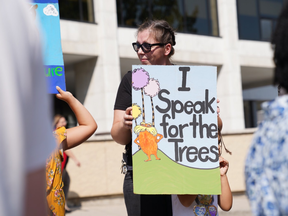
87, 125
186, 200
70, 154
225, 199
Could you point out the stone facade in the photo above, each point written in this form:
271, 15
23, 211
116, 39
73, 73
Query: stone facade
96, 55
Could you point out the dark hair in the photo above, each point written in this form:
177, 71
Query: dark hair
280, 43
162, 30
220, 138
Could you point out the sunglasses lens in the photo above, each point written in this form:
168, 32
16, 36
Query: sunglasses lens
136, 46
146, 47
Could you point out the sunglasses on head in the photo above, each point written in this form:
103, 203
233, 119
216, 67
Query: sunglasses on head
146, 47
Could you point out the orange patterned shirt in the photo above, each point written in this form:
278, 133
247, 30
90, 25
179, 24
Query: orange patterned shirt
54, 184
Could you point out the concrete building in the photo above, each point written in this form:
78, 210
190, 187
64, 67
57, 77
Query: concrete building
96, 43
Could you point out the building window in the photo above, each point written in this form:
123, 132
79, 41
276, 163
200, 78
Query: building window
257, 18
196, 17
253, 99
77, 10
253, 113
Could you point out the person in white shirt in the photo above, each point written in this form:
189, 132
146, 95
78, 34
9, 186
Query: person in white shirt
207, 205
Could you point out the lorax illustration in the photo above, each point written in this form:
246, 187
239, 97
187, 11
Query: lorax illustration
147, 139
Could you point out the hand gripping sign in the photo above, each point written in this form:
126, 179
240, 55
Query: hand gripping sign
174, 132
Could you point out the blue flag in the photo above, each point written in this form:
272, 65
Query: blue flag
47, 14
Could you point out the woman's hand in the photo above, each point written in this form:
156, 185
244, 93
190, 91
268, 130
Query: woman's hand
224, 166
122, 126
127, 118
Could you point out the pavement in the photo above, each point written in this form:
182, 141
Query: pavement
104, 206
111, 206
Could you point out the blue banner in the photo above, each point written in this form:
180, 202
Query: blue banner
45, 1
55, 75
47, 14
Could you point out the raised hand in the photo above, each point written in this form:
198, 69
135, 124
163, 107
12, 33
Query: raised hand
64, 95
224, 166
87, 124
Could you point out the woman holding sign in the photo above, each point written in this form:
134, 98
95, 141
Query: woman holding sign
154, 46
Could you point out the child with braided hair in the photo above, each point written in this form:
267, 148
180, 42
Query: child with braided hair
184, 205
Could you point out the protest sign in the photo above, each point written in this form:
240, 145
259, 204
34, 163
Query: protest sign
174, 131
47, 15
